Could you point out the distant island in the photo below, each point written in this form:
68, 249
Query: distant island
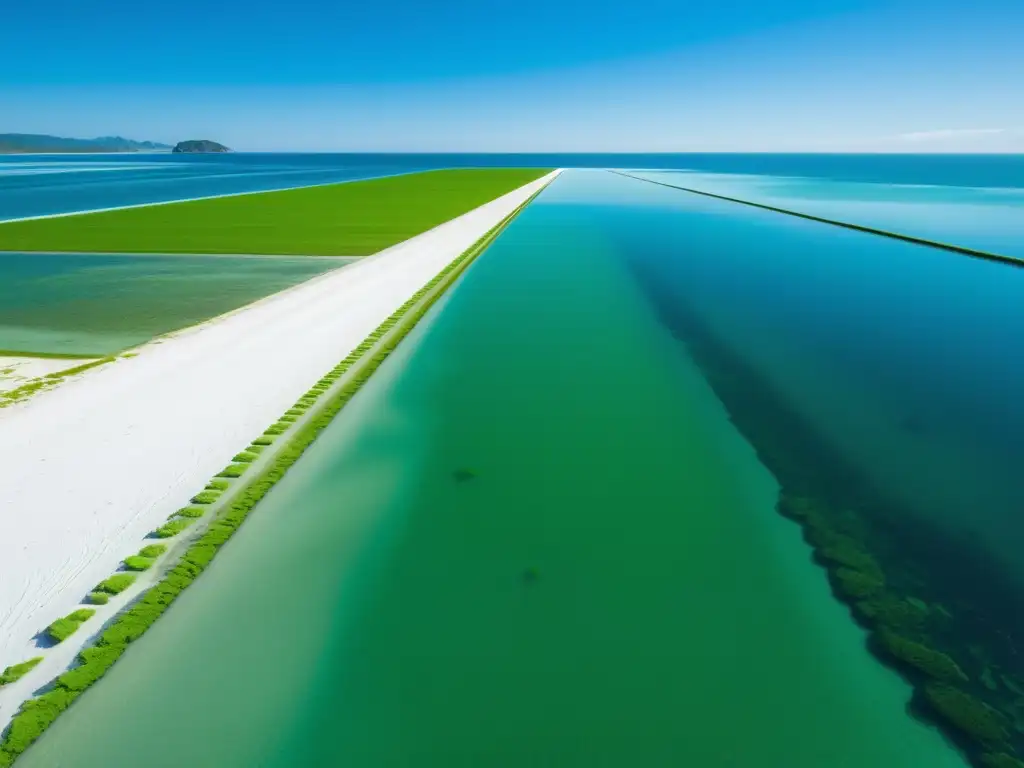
199, 145
19, 143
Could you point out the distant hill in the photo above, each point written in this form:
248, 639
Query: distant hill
199, 145
31, 142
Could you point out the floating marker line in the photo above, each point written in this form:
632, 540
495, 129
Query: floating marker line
973, 252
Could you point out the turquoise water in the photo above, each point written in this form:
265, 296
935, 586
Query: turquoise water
987, 218
901, 355
534, 539
89, 304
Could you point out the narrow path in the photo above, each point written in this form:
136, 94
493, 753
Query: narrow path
91, 468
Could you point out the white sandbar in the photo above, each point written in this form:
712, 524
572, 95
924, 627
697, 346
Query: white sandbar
88, 469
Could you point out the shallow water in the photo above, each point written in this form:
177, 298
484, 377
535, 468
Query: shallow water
91, 304
534, 538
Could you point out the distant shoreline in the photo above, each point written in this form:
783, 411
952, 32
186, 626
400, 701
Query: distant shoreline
85, 152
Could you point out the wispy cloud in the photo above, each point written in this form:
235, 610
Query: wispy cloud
949, 133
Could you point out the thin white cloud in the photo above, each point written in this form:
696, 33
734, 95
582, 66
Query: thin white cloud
949, 133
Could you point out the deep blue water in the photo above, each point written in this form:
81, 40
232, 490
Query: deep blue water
880, 376
905, 356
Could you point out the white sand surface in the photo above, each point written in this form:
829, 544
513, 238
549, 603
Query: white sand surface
17, 371
88, 469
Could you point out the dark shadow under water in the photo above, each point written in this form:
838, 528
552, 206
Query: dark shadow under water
940, 591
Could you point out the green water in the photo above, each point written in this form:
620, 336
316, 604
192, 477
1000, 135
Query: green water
95, 305
534, 539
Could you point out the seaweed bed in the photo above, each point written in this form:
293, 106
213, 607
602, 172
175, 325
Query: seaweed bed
936, 607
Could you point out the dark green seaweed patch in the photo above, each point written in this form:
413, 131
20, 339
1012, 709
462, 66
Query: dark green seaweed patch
855, 585
932, 663
1001, 760
973, 718
888, 610
37, 714
938, 608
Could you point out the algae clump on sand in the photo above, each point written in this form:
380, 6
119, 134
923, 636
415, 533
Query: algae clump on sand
15, 672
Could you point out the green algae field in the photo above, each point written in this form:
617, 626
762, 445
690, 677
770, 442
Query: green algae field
349, 219
93, 284
537, 536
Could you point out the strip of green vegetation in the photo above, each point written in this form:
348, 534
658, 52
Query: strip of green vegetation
98, 598
37, 714
153, 550
47, 355
46, 382
62, 629
15, 672
351, 219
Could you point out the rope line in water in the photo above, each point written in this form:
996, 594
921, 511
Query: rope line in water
973, 252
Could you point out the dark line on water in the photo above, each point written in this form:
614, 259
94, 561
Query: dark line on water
1011, 260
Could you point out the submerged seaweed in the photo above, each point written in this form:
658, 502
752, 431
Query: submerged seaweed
938, 609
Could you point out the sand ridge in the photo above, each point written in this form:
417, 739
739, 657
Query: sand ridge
90, 468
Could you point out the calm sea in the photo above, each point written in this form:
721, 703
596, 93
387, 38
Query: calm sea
545, 535
975, 200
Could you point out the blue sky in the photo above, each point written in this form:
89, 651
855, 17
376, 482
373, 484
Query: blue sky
524, 75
